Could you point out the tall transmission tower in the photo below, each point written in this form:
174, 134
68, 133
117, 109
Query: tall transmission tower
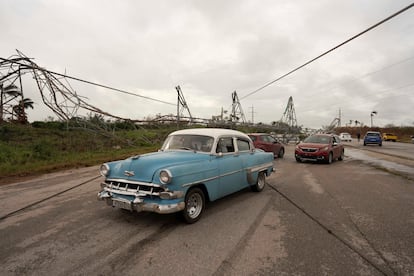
336, 122
289, 116
182, 105
236, 109
253, 112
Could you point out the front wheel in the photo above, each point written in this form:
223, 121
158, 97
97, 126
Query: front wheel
194, 205
341, 157
261, 182
330, 158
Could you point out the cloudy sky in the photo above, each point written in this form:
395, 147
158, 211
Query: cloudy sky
212, 48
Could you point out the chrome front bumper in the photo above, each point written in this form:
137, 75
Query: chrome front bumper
139, 205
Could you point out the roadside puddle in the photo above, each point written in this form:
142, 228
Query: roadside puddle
400, 169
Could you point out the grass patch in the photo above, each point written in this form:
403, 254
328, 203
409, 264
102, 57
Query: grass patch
26, 150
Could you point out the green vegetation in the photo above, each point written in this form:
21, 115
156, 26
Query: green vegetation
50, 146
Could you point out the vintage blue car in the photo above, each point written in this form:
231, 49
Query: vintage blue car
193, 166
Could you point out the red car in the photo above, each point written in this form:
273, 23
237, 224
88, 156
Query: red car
267, 143
320, 147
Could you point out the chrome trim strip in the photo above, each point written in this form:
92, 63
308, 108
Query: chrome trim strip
261, 167
211, 178
249, 169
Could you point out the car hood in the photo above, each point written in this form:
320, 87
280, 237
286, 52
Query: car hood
143, 167
312, 145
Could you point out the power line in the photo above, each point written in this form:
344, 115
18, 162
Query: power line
327, 52
85, 81
114, 89
363, 76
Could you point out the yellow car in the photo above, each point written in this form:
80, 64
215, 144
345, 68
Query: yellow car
389, 137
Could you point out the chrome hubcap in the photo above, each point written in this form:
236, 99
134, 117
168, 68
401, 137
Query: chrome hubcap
194, 205
261, 181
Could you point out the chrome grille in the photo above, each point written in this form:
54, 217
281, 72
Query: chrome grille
309, 149
133, 188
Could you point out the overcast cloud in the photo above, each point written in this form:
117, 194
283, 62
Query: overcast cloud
212, 48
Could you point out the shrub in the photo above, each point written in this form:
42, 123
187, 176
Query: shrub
42, 150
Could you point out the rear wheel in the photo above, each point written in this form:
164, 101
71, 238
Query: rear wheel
281, 153
261, 182
194, 205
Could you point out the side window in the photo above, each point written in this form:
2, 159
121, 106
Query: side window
268, 139
225, 145
253, 138
243, 145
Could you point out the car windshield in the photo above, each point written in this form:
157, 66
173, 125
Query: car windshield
317, 139
189, 142
268, 138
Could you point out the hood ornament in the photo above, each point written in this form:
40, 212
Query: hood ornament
129, 173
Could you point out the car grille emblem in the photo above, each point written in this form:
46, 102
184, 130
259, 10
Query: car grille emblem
129, 173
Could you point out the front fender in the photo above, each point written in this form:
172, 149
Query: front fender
186, 175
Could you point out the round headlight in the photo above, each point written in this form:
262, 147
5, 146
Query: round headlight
165, 176
104, 169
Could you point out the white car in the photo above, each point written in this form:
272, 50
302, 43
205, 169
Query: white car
345, 137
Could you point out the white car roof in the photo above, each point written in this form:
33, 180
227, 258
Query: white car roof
213, 132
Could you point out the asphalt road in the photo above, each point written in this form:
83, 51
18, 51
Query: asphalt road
398, 149
347, 218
